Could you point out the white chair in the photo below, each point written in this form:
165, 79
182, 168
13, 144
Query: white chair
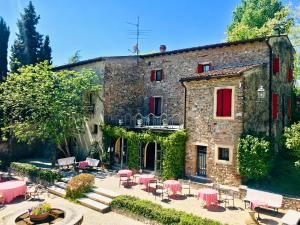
160, 190
187, 186
227, 197
123, 178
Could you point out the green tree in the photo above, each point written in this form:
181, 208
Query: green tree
40, 104
292, 135
28, 48
45, 52
255, 18
295, 39
75, 58
4, 31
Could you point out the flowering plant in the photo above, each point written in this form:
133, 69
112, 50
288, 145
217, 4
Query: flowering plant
40, 209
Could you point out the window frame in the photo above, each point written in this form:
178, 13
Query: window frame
161, 104
230, 155
232, 103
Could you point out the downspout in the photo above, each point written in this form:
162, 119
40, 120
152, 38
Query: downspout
184, 111
270, 85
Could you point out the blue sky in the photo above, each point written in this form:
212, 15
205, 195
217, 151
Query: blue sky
99, 28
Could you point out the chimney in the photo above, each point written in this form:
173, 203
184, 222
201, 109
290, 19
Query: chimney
162, 48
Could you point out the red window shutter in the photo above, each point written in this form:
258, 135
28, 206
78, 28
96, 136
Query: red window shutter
220, 102
274, 105
227, 96
151, 104
200, 68
290, 75
289, 104
152, 77
275, 65
161, 74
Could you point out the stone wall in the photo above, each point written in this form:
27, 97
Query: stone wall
204, 129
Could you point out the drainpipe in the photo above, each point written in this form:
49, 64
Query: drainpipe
184, 112
270, 85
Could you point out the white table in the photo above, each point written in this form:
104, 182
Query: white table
292, 217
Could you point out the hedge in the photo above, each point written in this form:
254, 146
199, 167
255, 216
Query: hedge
156, 212
33, 171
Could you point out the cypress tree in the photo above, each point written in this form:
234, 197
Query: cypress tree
4, 31
29, 46
45, 52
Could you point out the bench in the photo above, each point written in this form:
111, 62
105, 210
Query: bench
292, 217
69, 161
273, 200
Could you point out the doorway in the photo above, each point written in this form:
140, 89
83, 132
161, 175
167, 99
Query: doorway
201, 160
149, 156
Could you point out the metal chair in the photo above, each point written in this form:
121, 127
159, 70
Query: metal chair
228, 196
186, 186
152, 184
160, 190
123, 178
217, 188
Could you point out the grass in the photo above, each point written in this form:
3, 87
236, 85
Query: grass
284, 178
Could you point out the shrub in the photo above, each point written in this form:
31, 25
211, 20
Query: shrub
292, 135
27, 169
254, 157
156, 212
80, 184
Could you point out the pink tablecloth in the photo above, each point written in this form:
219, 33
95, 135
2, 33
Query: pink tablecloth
210, 196
83, 164
125, 172
257, 203
12, 189
173, 185
145, 179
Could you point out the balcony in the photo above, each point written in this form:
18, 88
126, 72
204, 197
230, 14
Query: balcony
150, 121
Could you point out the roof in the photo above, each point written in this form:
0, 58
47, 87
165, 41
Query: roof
220, 73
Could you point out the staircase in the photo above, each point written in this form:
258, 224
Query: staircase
98, 199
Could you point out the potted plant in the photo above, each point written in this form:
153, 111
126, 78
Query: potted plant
139, 122
165, 122
40, 212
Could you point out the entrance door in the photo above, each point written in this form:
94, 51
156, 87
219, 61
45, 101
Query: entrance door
149, 156
201, 160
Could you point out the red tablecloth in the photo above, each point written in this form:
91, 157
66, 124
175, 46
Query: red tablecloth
145, 179
12, 189
257, 203
209, 196
83, 164
173, 185
125, 172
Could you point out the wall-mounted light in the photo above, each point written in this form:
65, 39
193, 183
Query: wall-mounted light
261, 93
121, 122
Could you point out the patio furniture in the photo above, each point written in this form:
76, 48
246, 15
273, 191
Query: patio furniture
92, 162
83, 165
128, 173
123, 178
1, 199
12, 189
257, 203
273, 200
145, 179
227, 197
292, 217
33, 192
66, 162
209, 196
161, 191
186, 186
136, 175
173, 185
217, 187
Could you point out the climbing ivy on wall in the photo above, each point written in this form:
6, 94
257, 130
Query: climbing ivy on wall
173, 147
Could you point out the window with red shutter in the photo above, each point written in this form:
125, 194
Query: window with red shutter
274, 106
200, 68
151, 104
289, 104
152, 76
276, 66
224, 102
290, 75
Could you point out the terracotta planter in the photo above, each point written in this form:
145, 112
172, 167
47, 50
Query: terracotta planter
39, 217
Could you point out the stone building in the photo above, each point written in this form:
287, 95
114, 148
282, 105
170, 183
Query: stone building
211, 90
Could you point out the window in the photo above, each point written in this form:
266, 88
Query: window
276, 65
203, 68
223, 102
95, 129
155, 105
274, 106
223, 154
157, 75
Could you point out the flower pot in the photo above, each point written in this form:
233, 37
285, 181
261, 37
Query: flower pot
40, 217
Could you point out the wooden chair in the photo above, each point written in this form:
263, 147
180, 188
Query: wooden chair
123, 178
187, 186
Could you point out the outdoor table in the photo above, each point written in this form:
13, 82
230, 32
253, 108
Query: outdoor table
173, 185
257, 203
292, 217
209, 196
128, 173
145, 179
83, 164
12, 189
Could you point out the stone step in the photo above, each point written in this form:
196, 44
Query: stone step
66, 179
57, 191
99, 198
94, 205
61, 184
106, 192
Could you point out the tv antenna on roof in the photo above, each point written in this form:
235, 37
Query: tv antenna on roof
137, 33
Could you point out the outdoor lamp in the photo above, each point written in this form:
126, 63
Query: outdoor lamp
120, 122
261, 92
